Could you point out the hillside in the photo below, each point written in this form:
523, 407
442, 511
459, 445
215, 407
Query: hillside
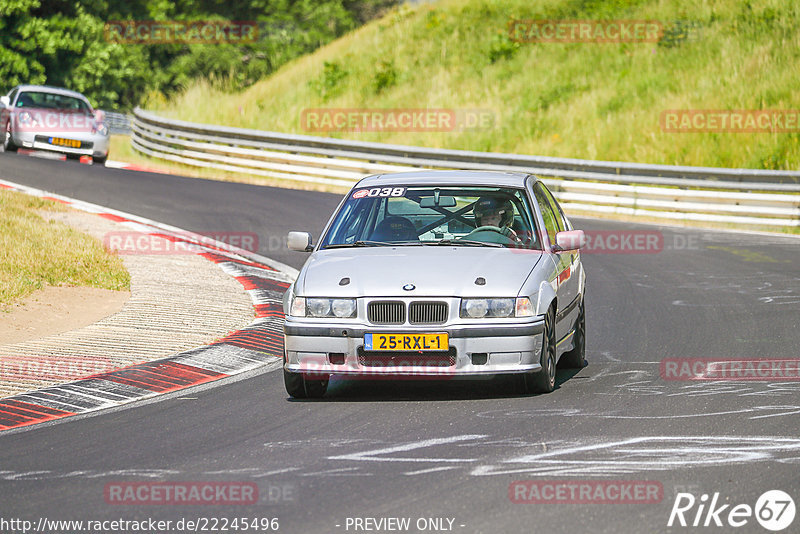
570, 99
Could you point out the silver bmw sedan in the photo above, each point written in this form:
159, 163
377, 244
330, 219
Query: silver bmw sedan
438, 274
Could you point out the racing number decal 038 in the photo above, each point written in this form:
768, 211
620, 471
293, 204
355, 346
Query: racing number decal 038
380, 192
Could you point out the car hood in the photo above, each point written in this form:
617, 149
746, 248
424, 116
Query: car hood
433, 270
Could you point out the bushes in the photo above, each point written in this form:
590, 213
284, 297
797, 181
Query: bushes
63, 44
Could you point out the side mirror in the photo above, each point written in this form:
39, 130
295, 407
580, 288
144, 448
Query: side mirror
4, 101
571, 240
299, 241
99, 115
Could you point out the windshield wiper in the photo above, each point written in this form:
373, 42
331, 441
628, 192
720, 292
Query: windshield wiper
359, 244
464, 242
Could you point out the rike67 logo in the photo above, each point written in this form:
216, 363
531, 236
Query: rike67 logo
774, 510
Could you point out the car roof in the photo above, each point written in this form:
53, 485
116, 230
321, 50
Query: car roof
50, 89
465, 177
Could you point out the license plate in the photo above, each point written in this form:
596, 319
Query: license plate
60, 141
420, 342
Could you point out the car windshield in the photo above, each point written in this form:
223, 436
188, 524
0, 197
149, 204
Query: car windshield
42, 100
431, 215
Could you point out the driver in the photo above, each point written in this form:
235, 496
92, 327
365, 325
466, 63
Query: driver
497, 212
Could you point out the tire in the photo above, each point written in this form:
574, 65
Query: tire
295, 385
576, 358
315, 389
300, 387
544, 381
8, 144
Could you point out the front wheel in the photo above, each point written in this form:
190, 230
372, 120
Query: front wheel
8, 143
576, 358
300, 387
544, 380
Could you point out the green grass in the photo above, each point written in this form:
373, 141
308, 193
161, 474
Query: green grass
37, 252
581, 100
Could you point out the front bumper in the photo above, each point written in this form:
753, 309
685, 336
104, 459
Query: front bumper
328, 347
37, 141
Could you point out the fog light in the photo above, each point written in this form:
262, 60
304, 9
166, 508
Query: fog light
479, 358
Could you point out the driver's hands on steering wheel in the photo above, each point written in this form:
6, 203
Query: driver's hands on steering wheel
505, 231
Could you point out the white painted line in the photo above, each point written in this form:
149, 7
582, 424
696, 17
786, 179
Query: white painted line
431, 470
116, 164
371, 455
652, 453
347, 471
276, 472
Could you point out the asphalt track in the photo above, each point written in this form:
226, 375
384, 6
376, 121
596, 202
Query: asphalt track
448, 449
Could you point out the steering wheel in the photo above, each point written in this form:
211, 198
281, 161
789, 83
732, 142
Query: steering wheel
509, 234
491, 229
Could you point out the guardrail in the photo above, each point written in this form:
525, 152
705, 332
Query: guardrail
118, 123
737, 196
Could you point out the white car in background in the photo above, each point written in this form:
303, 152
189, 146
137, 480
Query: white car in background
53, 119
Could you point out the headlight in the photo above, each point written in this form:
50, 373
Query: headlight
343, 307
102, 129
501, 307
323, 307
474, 308
25, 118
318, 307
496, 307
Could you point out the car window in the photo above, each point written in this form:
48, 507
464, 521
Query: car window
349, 226
550, 224
561, 219
422, 215
44, 100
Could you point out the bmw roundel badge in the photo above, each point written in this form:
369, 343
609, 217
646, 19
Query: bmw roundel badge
409, 287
